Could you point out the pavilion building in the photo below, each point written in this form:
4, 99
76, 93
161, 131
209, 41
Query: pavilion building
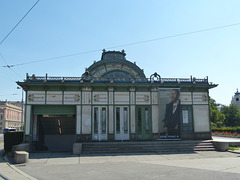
112, 101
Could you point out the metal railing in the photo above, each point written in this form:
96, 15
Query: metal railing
82, 79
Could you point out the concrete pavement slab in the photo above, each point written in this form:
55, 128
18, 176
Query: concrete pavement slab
198, 165
41, 158
8, 171
63, 158
216, 164
187, 166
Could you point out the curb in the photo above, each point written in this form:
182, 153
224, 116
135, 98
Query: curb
5, 158
236, 152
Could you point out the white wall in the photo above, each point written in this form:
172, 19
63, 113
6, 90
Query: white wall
201, 118
86, 119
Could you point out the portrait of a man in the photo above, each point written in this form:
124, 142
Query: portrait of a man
172, 115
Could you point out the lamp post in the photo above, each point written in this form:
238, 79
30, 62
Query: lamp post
22, 108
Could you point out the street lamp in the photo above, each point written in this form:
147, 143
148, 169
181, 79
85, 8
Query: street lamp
22, 109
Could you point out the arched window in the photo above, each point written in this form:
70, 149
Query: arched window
237, 99
117, 74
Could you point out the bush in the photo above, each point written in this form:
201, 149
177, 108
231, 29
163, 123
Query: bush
228, 129
11, 139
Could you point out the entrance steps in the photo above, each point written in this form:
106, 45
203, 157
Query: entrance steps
172, 146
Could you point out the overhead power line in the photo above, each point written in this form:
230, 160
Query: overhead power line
18, 22
128, 44
58, 57
8, 94
9, 66
4, 60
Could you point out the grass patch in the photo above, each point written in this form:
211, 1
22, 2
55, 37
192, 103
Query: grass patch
232, 148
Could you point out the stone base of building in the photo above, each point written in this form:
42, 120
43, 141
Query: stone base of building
110, 137
133, 137
78, 138
85, 138
155, 136
196, 136
26, 138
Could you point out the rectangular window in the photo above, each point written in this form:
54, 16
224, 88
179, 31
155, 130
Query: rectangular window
104, 120
95, 120
118, 120
146, 119
125, 119
187, 118
139, 120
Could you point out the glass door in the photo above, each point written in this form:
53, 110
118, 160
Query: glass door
143, 123
99, 123
121, 123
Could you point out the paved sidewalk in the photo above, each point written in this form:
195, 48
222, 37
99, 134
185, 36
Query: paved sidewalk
8, 171
186, 166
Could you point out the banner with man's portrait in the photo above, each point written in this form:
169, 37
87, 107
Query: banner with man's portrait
169, 112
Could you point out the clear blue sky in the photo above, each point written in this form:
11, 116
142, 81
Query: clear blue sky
58, 27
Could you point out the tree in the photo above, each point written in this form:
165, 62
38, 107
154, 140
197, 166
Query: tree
217, 118
232, 114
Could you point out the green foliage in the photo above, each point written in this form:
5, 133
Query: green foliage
232, 114
228, 116
216, 117
232, 148
11, 139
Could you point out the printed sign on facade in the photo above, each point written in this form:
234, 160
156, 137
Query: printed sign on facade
169, 107
200, 98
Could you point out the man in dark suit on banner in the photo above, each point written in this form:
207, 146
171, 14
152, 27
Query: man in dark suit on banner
172, 115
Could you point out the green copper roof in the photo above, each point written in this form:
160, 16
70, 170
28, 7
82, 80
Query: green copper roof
237, 93
114, 61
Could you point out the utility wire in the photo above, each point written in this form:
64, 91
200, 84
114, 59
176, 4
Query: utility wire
18, 23
58, 57
4, 60
9, 66
129, 44
16, 73
7, 94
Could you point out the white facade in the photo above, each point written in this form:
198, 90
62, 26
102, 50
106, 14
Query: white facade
113, 101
